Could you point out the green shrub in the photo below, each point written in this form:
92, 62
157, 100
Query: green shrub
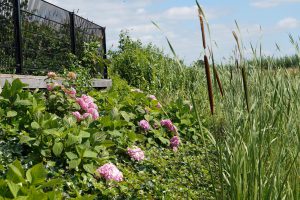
39, 130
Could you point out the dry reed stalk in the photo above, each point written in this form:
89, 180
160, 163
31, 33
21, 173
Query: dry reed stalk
244, 76
202, 31
207, 69
209, 85
245, 88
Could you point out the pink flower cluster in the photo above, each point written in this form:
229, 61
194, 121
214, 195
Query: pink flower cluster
87, 104
52, 86
51, 75
152, 97
169, 125
144, 124
81, 117
110, 172
136, 153
174, 142
71, 92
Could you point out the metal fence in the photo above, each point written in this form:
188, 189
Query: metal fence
37, 36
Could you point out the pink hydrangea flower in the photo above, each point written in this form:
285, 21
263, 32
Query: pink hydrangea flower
168, 124
94, 113
87, 104
87, 99
51, 86
144, 124
136, 153
71, 92
93, 105
82, 103
152, 97
86, 115
174, 143
77, 115
110, 172
51, 75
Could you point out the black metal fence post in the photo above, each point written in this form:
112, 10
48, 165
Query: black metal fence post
17, 35
72, 32
105, 75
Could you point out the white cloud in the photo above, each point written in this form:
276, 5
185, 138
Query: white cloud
180, 24
181, 13
140, 11
288, 23
271, 3
191, 13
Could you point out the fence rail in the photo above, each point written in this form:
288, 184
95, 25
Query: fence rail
36, 36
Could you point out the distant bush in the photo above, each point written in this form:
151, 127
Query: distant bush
147, 67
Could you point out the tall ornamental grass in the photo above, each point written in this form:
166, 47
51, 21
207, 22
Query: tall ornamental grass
260, 141
261, 151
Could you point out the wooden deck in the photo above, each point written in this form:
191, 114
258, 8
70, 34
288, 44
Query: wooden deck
39, 81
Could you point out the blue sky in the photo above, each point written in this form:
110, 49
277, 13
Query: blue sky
179, 22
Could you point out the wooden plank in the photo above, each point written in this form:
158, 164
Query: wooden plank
39, 81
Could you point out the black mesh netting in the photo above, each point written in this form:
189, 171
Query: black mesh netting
7, 58
86, 31
46, 36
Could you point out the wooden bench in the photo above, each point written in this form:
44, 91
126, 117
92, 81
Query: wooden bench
39, 81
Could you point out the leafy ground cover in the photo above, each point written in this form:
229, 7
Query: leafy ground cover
53, 144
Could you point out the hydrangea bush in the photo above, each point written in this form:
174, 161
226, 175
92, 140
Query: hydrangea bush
102, 144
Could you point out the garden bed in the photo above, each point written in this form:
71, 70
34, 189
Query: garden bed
39, 81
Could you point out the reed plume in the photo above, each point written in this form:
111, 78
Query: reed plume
206, 63
244, 76
209, 85
245, 88
202, 31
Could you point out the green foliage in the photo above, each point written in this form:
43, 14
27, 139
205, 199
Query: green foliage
148, 68
31, 184
59, 155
